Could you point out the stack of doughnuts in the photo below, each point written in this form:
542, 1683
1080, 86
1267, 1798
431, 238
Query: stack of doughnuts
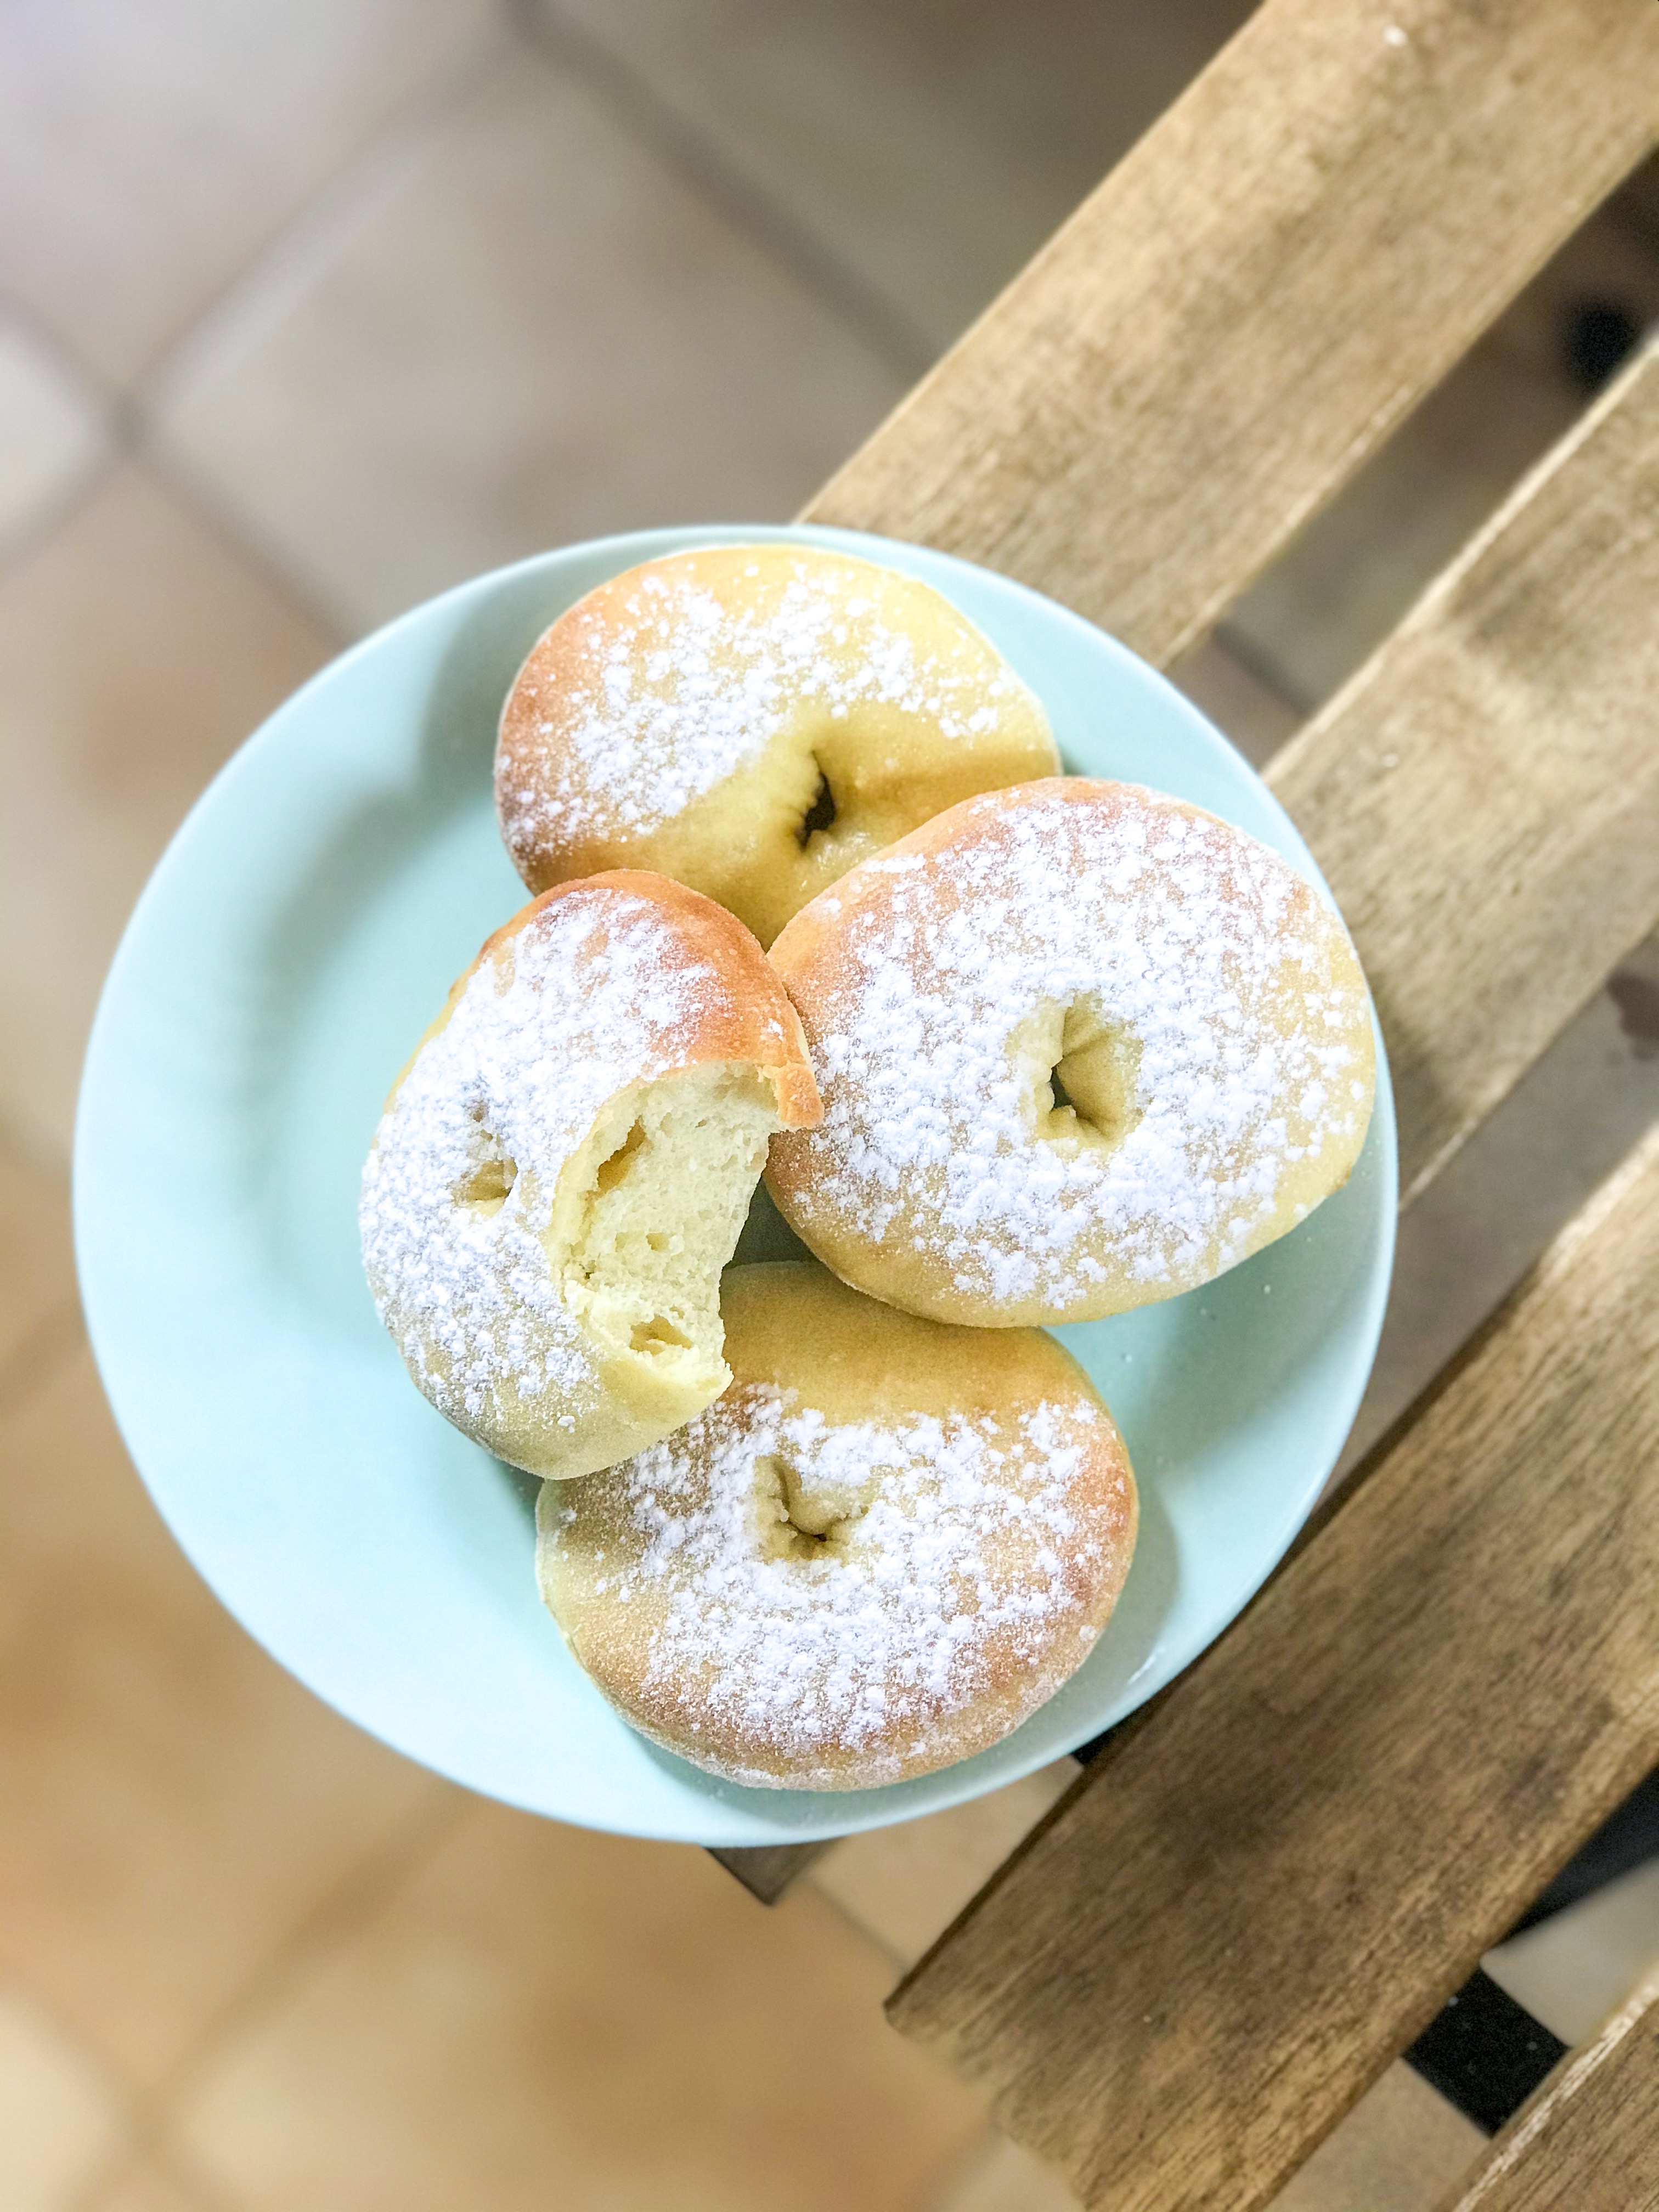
1026, 1048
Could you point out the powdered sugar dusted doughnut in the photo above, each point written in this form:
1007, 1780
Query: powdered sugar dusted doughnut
752, 721
884, 1547
562, 1169
1081, 1046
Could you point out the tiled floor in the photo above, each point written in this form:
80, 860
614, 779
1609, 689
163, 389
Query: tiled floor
590, 375
719, 2057
303, 314
137, 647
149, 155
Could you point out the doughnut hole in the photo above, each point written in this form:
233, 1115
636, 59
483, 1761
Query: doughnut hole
647, 1215
800, 1518
1081, 1073
486, 1189
853, 702
856, 784
822, 815
835, 791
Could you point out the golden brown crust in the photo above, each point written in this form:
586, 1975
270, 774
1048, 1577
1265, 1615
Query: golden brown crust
891, 1541
756, 1021
1197, 1002
753, 719
563, 1170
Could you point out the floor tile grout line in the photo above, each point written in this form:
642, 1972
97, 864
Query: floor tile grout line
136, 422
138, 418
346, 1907
55, 1335
386, 147
124, 2094
102, 403
151, 2111
849, 1918
45, 336
145, 2142
129, 435
956, 2171
218, 510
654, 124
130, 420
21, 544
49, 339
26, 1151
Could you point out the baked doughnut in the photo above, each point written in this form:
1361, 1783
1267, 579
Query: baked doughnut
885, 1545
1081, 1046
752, 719
561, 1171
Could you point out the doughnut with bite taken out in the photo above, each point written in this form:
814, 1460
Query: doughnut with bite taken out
562, 1169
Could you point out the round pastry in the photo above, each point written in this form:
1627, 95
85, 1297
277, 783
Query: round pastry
1081, 1046
562, 1169
883, 1547
752, 721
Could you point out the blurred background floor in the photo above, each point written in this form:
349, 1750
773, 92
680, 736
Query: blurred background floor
306, 314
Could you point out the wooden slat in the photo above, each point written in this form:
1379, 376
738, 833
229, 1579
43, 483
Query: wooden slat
1590, 2137
766, 1870
1483, 797
1290, 260
1233, 1923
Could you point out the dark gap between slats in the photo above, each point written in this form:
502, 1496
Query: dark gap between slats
1484, 2053
1626, 1840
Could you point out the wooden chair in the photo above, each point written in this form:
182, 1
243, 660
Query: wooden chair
1275, 1876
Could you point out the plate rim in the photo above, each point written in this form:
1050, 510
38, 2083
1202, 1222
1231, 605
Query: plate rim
732, 1823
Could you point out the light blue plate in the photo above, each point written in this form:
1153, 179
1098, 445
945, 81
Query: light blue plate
298, 936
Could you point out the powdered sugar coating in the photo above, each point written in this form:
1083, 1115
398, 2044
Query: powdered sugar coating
968, 1563
1244, 1019
667, 685
467, 1214
592, 996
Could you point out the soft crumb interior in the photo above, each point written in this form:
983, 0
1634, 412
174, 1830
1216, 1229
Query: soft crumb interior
650, 1212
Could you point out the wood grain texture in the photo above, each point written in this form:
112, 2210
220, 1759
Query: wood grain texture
1235, 1922
1284, 266
1590, 2137
1483, 796
1289, 260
